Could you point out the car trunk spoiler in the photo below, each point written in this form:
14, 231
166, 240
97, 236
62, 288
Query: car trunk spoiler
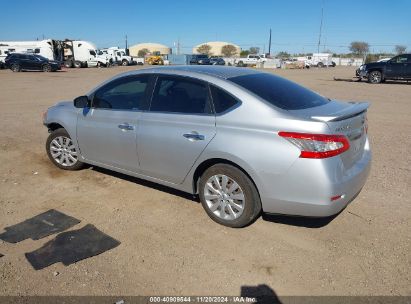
350, 110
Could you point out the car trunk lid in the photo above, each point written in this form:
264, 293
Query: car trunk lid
347, 118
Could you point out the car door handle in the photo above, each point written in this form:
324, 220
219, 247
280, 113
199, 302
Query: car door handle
194, 136
126, 127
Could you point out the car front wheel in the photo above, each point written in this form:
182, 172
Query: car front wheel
62, 152
229, 196
375, 77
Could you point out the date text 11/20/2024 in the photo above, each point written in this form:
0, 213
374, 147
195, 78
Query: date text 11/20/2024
202, 299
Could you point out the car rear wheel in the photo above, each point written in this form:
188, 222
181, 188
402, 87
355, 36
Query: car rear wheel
228, 196
320, 65
375, 77
46, 68
62, 151
124, 63
15, 67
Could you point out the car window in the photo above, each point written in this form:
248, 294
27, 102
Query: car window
180, 95
222, 100
400, 59
121, 94
279, 91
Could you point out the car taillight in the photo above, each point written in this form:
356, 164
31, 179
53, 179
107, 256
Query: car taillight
317, 145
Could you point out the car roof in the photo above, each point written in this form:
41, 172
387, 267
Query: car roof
223, 72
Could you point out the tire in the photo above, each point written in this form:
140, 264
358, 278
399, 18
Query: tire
320, 65
77, 64
62, 152
220, 205
46, 68
68, 64
240, 64
15, 67
333, 64
124, 62
375, 77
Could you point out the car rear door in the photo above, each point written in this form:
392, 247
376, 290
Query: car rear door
177, 128
407, 67
395, 67
107, 131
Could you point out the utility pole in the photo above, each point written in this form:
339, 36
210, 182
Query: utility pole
178, 46
126, 45
269, 45
321, 27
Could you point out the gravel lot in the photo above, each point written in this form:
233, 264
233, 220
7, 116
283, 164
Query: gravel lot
168, 244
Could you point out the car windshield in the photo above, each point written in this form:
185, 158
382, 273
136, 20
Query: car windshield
39, 57
280, 92
202, 56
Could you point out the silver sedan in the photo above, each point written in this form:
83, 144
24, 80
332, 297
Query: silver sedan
245, 141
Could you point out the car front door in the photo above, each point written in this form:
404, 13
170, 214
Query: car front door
177, 128
395, 67
25, 63
107, 131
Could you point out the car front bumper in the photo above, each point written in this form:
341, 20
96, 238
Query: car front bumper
363, 74
308, 186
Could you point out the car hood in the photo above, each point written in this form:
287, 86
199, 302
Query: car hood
68, 104
375, 64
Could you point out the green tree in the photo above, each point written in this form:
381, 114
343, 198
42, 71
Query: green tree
254, 50
229, 50
244, 53
143, 52
204, 49
359, 48
283, 55
400, 49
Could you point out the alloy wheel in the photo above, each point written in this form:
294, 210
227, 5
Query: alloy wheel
224, 197
63, 151
375, 77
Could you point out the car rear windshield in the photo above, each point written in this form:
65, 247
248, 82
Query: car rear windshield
280, 92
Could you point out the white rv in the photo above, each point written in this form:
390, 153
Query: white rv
75, 53
51, 49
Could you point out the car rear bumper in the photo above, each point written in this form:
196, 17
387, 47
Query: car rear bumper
306, 190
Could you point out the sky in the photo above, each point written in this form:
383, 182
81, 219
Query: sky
295, 24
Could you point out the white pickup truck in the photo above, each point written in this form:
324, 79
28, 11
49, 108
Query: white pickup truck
119, 56
250, 60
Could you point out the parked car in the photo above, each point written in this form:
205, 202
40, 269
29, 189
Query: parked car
243, 140
397, 68
214, 60
200, 60
18, 62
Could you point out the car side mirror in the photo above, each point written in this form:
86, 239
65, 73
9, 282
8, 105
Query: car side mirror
81, 102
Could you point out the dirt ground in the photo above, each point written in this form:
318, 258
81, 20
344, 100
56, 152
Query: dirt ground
169, 246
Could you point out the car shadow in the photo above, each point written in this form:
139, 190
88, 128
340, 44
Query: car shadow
299, 221
308, 222
148, 184
262, 294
